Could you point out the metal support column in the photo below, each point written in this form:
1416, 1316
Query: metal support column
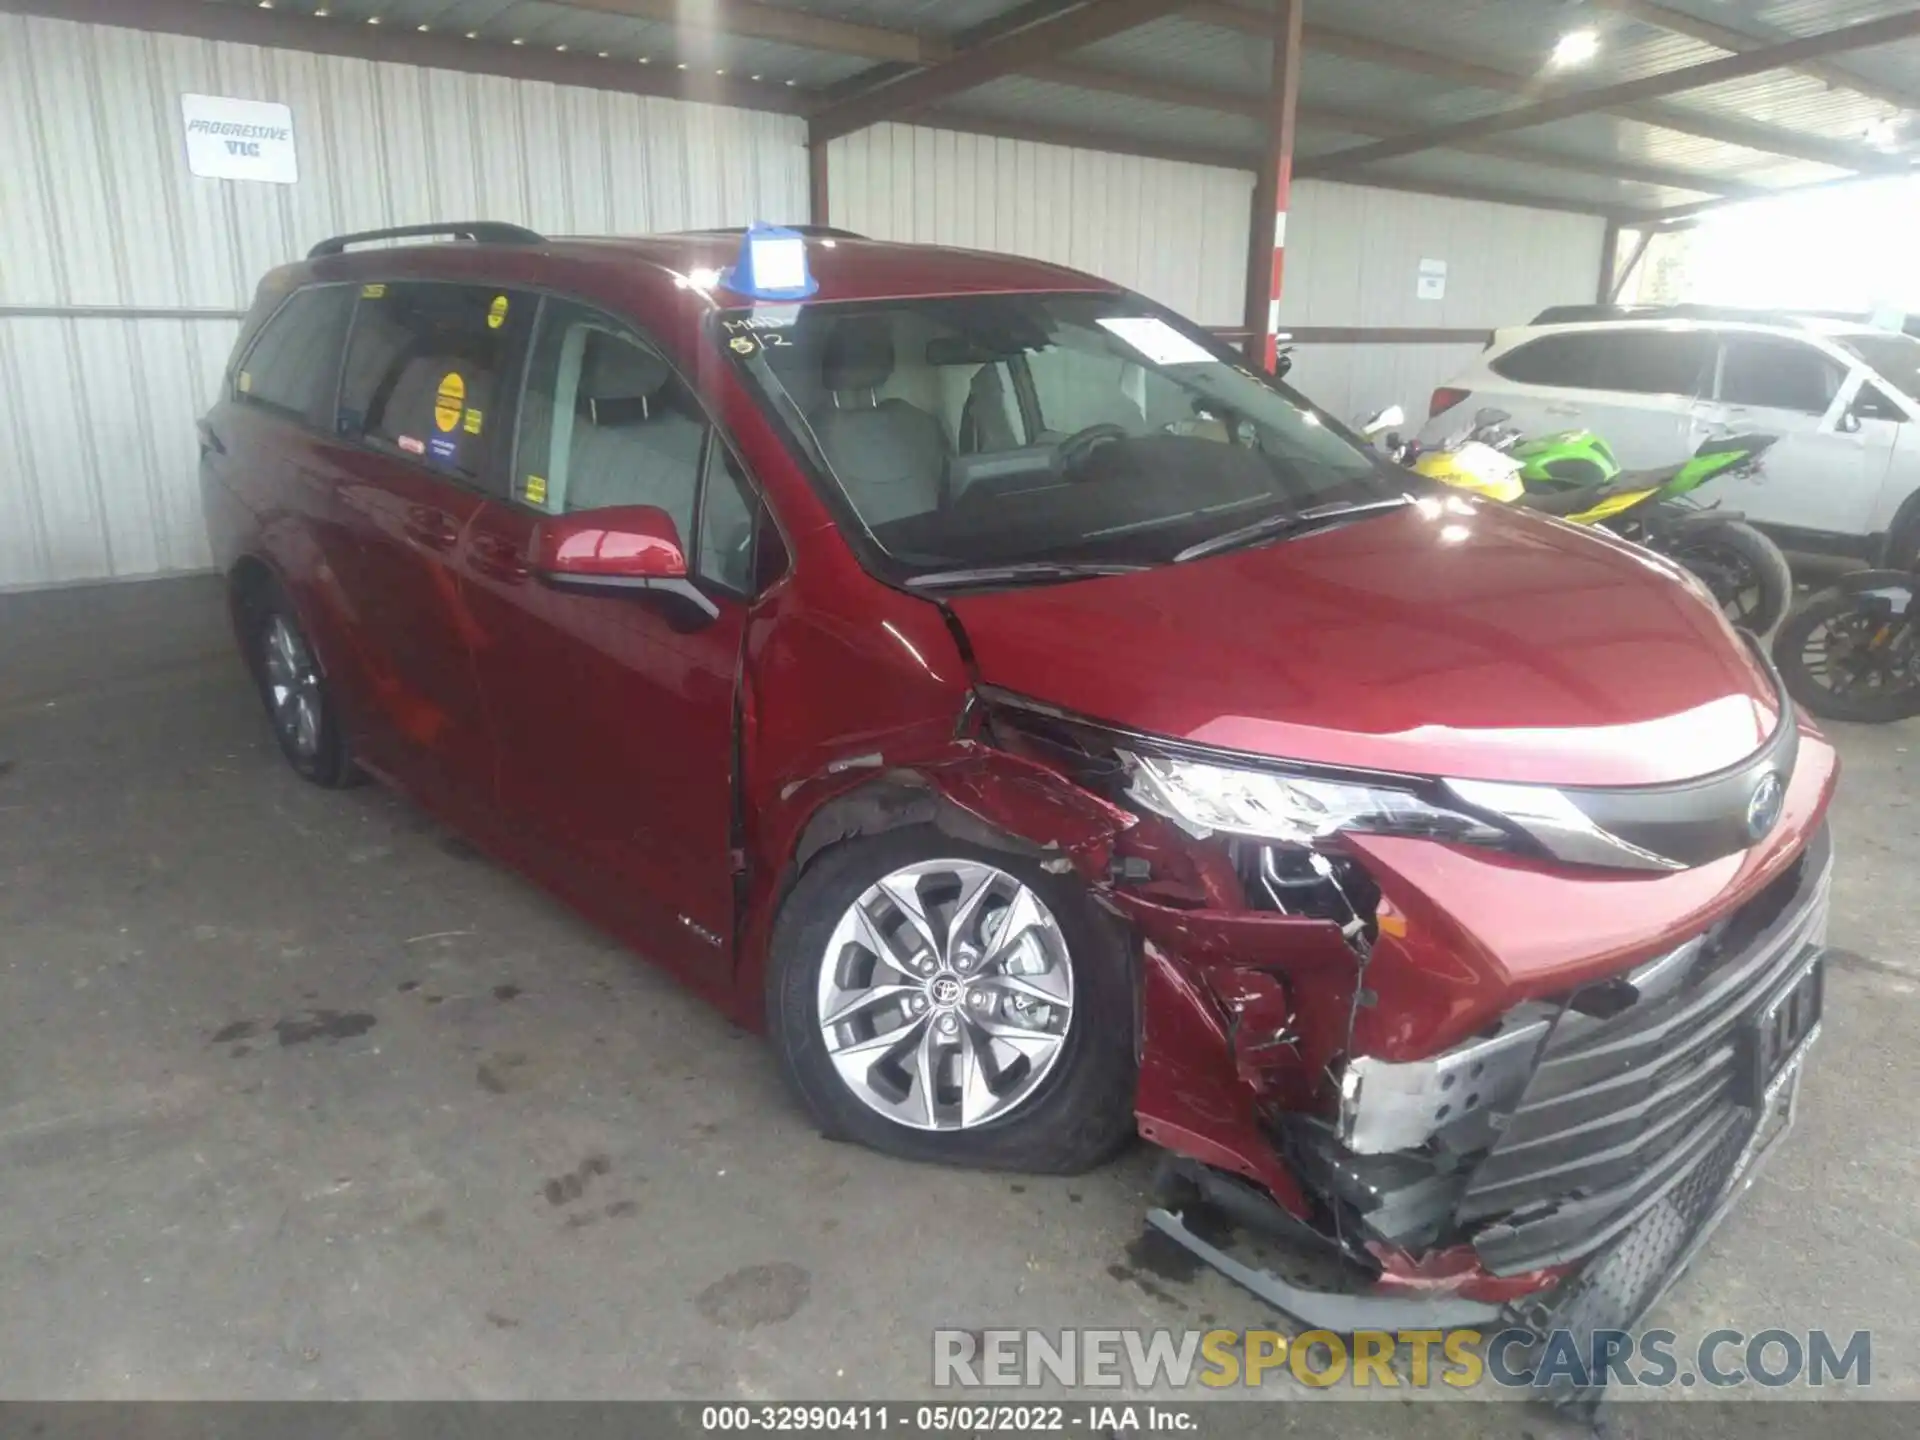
817, 194
1267, 235
1609, 253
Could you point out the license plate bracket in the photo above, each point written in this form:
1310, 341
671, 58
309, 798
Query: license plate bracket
1771, 1040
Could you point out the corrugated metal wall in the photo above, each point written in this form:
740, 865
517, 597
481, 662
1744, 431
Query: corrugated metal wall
1353, 259
97, 449
1175, 232
1179, 233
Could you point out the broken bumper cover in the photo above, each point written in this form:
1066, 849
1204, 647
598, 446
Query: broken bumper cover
1606, 1137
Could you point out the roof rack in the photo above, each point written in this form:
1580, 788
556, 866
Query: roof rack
484, 232
1685, 310
819, 232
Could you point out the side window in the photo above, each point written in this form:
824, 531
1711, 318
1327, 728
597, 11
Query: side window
1651, 362
1778, 375
293, 365
740, 547
1873, 403
424, 367
1561, 360
605, 422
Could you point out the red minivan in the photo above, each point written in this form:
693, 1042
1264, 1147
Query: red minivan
1047, 727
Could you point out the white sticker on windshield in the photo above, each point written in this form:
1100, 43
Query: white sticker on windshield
1158, 341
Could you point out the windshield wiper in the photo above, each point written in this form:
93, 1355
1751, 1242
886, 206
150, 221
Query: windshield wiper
1290, 522
1035, 572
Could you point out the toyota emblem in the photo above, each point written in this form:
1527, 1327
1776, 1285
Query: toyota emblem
1763, 808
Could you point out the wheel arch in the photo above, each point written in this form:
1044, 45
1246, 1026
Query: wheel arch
256, 574
989, 798
1902, 532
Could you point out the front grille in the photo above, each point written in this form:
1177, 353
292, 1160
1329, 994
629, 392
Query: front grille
1630, 1098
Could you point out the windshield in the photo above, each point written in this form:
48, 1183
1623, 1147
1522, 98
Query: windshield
1895, 358
1044, 431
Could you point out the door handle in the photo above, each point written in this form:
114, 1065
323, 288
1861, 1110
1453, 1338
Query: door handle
1561, 408
430, 527
498, 559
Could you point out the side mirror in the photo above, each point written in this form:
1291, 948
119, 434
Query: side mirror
621, 548
1385, 419
1848, 423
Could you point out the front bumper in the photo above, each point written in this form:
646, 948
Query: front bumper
1643, 1109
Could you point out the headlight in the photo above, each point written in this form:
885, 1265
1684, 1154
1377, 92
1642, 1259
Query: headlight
1289, 809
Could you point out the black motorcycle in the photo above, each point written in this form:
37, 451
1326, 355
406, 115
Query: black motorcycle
1851, 652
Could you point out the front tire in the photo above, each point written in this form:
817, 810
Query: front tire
1825, 654
942, 1001
1746, 572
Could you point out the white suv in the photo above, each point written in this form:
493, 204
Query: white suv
1844, 400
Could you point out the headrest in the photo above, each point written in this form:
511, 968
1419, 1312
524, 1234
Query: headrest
859, 355
615, 370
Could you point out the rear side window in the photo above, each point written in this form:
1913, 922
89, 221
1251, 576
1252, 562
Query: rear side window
1778, 375
424, 370
1652, 362
1638, 362
293, 364
1550, 360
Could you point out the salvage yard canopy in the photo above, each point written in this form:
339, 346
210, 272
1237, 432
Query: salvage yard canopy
1642, 111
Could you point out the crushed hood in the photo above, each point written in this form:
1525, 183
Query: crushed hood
1462, 640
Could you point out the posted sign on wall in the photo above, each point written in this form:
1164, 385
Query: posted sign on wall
239, 139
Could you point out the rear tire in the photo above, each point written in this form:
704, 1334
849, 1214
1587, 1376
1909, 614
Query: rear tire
299, 705
1057, 1106
1749, 577
1826, 612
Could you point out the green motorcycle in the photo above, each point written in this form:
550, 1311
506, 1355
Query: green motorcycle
1574, 474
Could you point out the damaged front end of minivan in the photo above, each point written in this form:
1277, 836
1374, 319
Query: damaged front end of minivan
1479, 1054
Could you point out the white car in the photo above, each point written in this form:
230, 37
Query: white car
1844, 400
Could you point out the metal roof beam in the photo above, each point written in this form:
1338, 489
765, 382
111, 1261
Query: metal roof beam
751, 20
1003, 55
1711, 32
1491, 194
1726, 130
1886, 30
1255, 107
1073, 137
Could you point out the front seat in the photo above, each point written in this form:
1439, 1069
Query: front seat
891, 456
633, 441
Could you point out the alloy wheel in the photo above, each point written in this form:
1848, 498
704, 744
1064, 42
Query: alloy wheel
293, 688
945, 994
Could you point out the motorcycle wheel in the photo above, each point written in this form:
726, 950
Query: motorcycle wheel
1745, 571
1843, 662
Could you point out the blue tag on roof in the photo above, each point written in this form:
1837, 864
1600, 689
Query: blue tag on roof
772, 265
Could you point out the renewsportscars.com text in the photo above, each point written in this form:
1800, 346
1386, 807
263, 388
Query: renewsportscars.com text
1390, 1359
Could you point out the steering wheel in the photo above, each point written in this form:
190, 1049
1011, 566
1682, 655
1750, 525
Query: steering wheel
1070, 452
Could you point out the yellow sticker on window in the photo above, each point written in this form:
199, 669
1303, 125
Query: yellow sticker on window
246, 382
449, 401
473, 422
497, 312
372, 292
536, 490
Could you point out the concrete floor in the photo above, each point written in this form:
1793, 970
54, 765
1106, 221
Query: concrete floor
301, 1098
